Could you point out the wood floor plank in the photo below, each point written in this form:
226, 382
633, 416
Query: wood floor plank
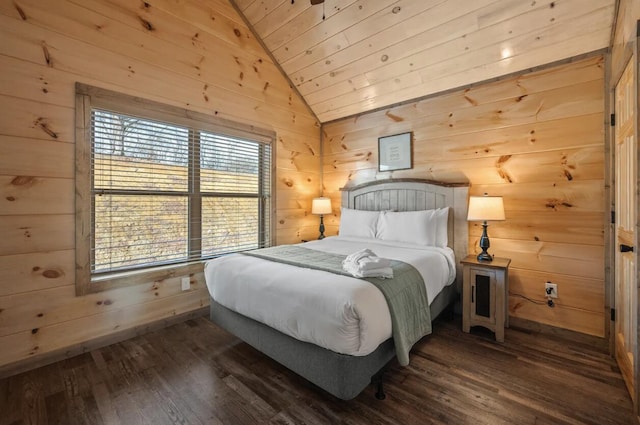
194, 373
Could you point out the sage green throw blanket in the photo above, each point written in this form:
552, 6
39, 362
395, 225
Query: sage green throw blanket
406, 293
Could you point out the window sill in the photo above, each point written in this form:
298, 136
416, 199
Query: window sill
137, 277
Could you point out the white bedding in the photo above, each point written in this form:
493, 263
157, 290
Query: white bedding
340, 313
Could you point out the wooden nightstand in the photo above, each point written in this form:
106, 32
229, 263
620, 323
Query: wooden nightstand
485, 290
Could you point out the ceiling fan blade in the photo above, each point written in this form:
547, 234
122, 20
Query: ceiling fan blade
314, 2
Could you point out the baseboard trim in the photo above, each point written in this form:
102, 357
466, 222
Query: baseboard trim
531, 326
74, 350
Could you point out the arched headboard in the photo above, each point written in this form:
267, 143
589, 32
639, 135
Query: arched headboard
416, 195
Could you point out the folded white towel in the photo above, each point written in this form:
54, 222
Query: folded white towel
358, 255
385, 272
370, 263
365, 263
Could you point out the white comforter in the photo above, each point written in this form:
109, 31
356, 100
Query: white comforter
340, 313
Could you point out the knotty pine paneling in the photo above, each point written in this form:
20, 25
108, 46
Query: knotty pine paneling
28, 273
537, 139
62, 334
25, 195
62, 305
193, 54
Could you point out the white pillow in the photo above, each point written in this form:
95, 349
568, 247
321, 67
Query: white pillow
361, 224
416, 227
442, 227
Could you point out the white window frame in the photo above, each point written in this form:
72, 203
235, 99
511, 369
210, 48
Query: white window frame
88, 98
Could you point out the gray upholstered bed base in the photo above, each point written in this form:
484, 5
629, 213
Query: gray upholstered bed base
341, 375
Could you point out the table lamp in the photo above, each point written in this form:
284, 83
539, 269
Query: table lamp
485, 208
321, 206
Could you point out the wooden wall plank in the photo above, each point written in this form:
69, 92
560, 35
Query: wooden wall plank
36, 271
26, 118
584, 321
568, 164
547, 226
82, 59
26, 344
585, 70
562, 195
583, 130
38, 158
23, 195
574, 292
553, 257
524, 107
176, 24
25, 311
36, 233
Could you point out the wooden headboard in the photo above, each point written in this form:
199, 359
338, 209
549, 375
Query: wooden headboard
416, 195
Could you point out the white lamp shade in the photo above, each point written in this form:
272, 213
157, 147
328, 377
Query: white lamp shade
489, 208
321, 206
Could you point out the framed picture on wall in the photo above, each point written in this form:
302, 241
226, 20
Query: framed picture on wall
394, 152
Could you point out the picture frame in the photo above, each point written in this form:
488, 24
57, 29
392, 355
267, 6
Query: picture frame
394, 152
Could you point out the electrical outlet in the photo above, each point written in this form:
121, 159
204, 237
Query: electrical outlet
186, 283
551, 290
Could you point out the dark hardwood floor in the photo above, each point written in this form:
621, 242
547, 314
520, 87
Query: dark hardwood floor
195, 373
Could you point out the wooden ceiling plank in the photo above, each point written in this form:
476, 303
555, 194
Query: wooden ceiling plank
257, 10
364, 56
451, 29
303, 22
460, 79
416, 51
283, 15
374, 35
213, 7
445, 24
545, 37
244, 4
347, 64
482, 68
283, 49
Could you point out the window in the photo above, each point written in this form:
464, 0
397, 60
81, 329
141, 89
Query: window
159, 189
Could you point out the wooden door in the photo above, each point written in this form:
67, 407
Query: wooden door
625, 205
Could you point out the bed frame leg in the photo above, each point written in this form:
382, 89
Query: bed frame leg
377, 380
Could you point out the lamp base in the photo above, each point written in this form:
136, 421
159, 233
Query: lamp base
484, 244
321, 229
484, 256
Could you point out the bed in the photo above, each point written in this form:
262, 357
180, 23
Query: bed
342, 367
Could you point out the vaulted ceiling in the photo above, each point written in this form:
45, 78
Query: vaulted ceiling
351, 56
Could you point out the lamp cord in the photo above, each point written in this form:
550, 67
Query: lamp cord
527, 298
